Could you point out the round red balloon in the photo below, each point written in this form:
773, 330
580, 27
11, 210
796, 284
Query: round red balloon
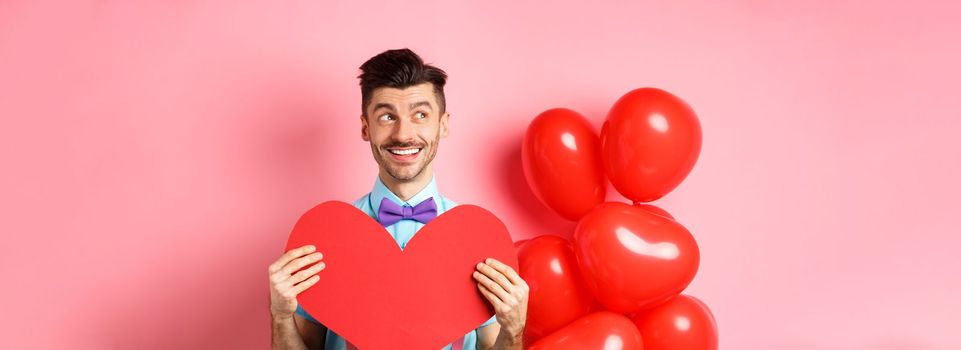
633, 259
561, 160
557, 294
650, 142
599, 330
682, 323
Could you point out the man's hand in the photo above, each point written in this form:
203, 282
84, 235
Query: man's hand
285, 284
507, 292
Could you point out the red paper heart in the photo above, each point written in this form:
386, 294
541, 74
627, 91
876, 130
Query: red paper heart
378, 296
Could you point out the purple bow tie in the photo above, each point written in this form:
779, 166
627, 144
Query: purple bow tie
390, 212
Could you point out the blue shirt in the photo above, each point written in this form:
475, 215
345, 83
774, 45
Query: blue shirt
402, 231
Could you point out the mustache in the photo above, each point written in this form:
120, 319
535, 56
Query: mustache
404, 145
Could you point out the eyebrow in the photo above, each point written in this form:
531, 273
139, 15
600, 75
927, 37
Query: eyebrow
413, 105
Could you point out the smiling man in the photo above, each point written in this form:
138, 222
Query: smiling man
404, 116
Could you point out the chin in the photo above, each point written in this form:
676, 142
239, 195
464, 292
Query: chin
405, 174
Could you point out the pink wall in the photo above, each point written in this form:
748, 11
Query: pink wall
156, 156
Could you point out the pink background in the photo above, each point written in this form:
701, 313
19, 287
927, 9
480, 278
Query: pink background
155, 156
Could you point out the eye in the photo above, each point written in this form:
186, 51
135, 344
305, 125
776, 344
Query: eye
422, 113
386, 117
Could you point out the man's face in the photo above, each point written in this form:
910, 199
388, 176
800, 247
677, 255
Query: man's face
404, 128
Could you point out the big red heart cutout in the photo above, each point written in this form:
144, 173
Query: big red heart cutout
378, 296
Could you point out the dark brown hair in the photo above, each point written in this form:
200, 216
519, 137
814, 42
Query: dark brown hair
400, 69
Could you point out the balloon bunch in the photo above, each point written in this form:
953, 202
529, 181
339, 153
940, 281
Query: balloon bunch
617, 285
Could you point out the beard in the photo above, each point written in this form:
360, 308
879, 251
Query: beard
405, 172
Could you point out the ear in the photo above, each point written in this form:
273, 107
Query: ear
443, 124
364, 132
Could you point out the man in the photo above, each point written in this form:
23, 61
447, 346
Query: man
403, 118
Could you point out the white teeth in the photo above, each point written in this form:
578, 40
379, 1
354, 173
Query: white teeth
405, 152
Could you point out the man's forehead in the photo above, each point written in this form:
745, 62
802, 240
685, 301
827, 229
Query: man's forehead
391, 95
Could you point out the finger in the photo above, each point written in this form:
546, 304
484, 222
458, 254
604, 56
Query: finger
495, 275
306, 273
300, 262
288, 256
300, 287
291, 255
501, 306
494, 300
506, 270
494, 287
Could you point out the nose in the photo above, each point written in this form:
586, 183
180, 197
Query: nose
404, 131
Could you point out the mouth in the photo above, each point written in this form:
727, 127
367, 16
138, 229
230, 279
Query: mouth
405, 154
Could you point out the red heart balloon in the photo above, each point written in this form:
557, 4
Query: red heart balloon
632, 258
650, 142
561, 159
599, 330
378, 296
682, 323
557, 293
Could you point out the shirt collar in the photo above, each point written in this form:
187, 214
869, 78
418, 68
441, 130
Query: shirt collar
381, 191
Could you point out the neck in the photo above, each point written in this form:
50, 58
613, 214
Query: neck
405, 189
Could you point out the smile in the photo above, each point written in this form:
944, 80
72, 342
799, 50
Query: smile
405, 152
404, 155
